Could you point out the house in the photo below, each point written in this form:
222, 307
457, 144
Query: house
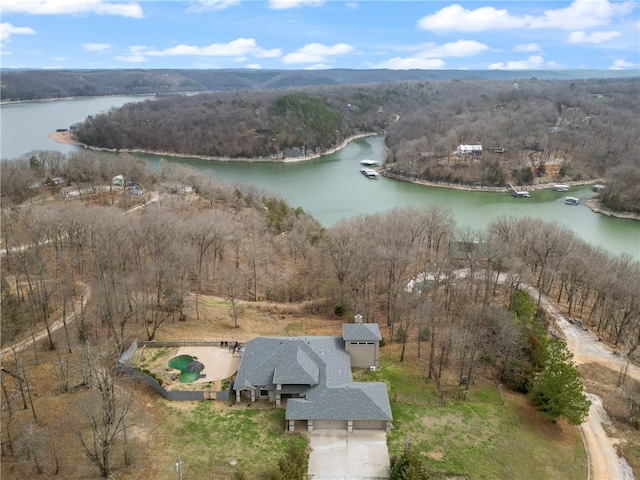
464, 150
118, 181
463, 250
312, 377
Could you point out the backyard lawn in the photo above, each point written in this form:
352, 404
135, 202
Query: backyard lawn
481, 438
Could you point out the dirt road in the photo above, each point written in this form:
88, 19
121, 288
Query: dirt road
603, 458
77, 306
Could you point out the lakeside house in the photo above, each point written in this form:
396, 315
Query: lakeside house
466, 150
311, 376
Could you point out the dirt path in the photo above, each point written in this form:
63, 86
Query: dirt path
603, 458
58, 324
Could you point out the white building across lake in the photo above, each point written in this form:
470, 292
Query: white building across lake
464, 150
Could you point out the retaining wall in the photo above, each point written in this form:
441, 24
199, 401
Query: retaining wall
198, 395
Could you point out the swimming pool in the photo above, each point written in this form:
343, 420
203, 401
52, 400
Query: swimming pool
189, 367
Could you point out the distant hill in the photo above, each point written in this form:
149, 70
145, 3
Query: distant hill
20, 85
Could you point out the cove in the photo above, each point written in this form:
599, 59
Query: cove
331, 187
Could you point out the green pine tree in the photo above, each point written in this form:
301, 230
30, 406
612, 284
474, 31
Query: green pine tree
558, 390
407, 466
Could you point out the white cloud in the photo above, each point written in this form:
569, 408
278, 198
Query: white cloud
455, 18
271, 53
241, 49
580, 14
410, 63
255, 66
207, 5
66, 7
459, 48
531, 63
526, 47
622, 65
287, 4
237, 48
97, 47
317, 53
318, 66
429, 56
6, 30
136, 55
594, 37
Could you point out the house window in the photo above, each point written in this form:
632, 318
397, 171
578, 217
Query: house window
362, 343
262, 393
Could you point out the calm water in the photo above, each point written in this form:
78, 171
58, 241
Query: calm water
331, 187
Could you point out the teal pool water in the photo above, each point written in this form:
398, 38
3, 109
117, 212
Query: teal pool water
189, 367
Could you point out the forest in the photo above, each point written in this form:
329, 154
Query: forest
532, 132
25, 85
453, 297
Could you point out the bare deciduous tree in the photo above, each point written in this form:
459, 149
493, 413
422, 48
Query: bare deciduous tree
105, 409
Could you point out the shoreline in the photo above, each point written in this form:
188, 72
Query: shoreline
597, 207
484, 188
35, 100
592, 203
67, 138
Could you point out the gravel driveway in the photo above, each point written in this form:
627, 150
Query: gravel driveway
603, 458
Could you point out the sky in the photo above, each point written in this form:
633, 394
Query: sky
321, 34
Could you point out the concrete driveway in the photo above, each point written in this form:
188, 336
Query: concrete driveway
338, 455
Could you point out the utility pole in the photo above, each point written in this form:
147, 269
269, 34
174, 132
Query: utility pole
179, 467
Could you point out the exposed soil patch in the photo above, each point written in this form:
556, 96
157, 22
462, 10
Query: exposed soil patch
434, 455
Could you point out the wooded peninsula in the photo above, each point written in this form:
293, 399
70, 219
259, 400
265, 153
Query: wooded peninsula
530, 132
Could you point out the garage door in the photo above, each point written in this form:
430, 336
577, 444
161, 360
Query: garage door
362, 355
369, 425
320, 424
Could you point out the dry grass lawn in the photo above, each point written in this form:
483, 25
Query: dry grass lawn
482, 438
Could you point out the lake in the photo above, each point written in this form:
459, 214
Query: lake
331, 187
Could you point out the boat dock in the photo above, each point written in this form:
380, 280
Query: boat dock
519, 193
369, 173
369, 163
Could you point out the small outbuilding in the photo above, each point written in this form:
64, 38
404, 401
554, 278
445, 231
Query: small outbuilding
466, 150
362, 341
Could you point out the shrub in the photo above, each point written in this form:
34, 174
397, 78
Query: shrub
293, 465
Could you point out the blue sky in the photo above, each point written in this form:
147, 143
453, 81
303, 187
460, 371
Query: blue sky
317, 34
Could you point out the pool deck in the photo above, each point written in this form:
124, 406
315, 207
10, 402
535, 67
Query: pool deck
218, 362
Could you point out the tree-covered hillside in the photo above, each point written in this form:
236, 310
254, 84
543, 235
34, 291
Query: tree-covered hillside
45, 84
532, 131
90, 272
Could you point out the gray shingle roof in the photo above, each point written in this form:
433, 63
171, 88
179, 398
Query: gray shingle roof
364, 332
295, 367
322, 369
354, 401
264, 355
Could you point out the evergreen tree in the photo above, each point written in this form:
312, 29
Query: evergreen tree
407, 466
558, 390
293, 465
